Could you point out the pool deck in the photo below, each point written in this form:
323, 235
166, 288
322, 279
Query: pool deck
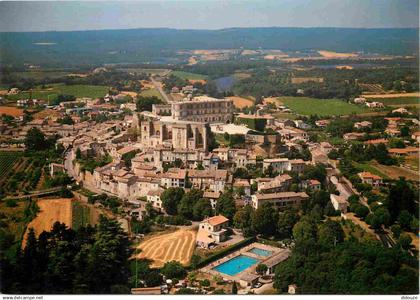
275, 252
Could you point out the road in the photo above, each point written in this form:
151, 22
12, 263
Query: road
158, 86
38, 193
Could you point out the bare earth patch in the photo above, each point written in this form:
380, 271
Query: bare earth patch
11, 111
240, 102
396, 172
51, 211
162, 248
332, 54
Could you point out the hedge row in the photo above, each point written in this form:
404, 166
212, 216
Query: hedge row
224, 252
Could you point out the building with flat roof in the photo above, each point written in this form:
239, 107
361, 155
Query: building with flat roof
203, 109
281, 199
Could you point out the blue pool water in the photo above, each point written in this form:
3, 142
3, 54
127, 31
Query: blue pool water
260, 252
236, 265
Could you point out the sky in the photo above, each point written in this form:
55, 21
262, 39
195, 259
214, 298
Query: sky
209, 14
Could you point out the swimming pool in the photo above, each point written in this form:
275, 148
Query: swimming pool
236, 265
261, 252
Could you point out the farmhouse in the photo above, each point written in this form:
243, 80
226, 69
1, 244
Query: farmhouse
212, 230
339, 202
370, 178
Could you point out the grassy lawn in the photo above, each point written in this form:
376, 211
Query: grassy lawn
151, 93
367, 167
188, 75
51, 91
321, 107
412, 161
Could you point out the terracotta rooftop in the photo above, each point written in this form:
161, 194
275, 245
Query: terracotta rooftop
216, 220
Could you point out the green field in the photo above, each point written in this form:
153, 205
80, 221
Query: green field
367, 167
151, 93
53, 90
39, 75
188, 75
397, 101
80, 215
321, 107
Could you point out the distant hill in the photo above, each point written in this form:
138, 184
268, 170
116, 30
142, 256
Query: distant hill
160, 45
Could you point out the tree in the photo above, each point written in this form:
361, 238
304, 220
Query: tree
261, 269
170, 199
405, 241
263, 219
242, 219
361, 211
404, 219
173, 269
226, 205
234, 288
330, 233
305, 229
401, 197
187, 203
78, 153
35, 140
396, 230
153, 278
145, 103
202, 208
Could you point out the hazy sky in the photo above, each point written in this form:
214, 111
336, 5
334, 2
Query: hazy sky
209, 14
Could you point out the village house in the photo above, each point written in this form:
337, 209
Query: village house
284, 164
280, 200
175, 177
375, 104
353, 136
311, 184
213, 180
280, 183
322, 123
416, 136
376, 142
153, 197
404, 151
213, 197
362, 125
211, 231
242, 184
359, 100
370, 178
400, 110
339, 203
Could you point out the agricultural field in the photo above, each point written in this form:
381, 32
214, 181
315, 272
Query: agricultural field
41, 74
53, 90
84, 214
398, 101
50, 211
396, 172
162, 248
24, 175
7, 161
188, 75
241, 102
412, 161
321, 107
150, 93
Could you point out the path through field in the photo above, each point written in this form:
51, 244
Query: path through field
51, 211
178, 245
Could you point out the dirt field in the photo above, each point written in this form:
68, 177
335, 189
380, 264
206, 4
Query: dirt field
46, 113
417, 94
332, 54
274, 100
11, 111
178, 245
240, 102
51, 210
131, 94
192, 81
